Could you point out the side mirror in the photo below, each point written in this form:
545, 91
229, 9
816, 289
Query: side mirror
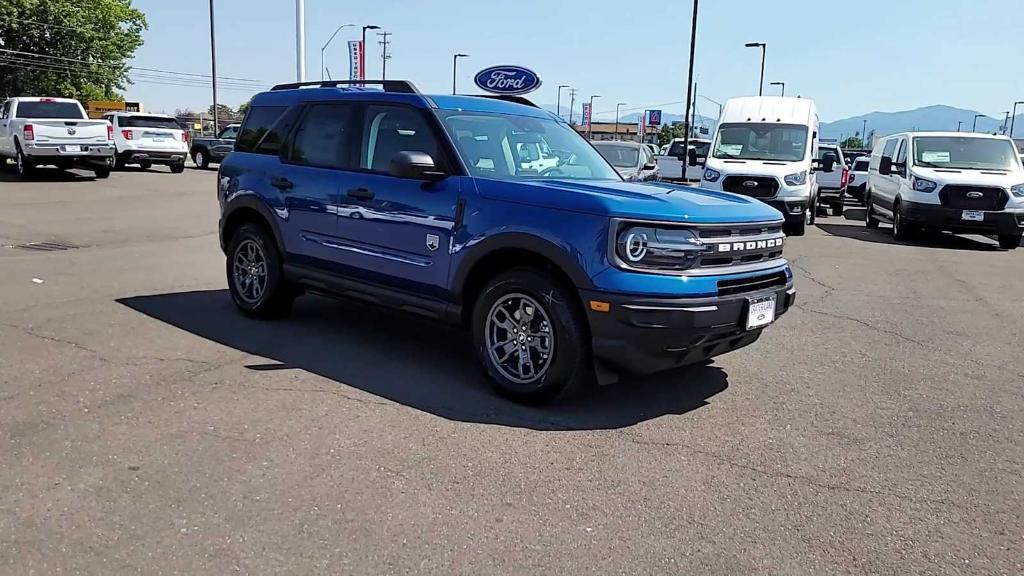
691, 157
650, 165
415, 166
885, 166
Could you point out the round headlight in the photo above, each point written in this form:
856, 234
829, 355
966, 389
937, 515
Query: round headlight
635, 244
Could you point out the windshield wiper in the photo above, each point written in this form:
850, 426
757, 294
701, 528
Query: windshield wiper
928, 164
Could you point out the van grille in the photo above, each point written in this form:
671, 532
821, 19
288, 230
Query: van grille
957, 196
751, 284
753, 186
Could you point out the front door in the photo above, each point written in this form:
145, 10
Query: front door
398, 231
5, 129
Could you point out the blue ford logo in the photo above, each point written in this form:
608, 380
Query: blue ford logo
507, 80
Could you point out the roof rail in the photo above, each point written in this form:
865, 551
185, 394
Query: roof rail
400, 86
507, 98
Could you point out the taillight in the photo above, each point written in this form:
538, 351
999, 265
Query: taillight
28, 132
110, 132
127, 134
846, 178
184, 137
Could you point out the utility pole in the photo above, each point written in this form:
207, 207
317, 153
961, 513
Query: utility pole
689, 83
864, 133
617, 106
590, 121
323, 49
1006, 122
558, 104
1013, 117
213, 72
572, 103
384, 55
300, 40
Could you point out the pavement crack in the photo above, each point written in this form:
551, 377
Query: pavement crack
862, 323
829, 289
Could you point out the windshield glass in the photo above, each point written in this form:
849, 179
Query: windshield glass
964, 153
46, 110
508, 147
619, 155
783, 142
148, 122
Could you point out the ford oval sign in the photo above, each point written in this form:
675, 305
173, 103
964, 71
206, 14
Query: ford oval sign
509, 80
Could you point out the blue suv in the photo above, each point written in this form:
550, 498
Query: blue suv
492, 213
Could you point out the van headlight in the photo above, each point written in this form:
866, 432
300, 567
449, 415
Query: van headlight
922, 185
658, 248
1018, 190
798, 179
711, 175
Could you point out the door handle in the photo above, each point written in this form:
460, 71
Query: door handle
282, 183
360, 194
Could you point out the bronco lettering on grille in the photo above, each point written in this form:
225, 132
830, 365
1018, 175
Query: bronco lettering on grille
752, 245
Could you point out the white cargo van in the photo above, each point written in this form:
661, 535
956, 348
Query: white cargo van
947, 181
765, 148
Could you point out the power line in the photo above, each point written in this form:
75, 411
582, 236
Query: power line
94, 63
71, 68
136, 78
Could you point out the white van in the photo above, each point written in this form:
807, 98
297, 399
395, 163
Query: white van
765, 148
947, 181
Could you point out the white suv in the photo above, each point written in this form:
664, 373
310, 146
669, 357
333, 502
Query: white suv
148, 139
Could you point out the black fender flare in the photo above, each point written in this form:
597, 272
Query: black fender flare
252, 202
521, 241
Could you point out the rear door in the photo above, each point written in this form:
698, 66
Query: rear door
5, 128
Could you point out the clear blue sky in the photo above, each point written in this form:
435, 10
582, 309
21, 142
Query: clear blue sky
845, 55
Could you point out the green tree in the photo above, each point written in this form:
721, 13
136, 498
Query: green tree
224, 113
670, 132
243, 109
68, 48
853, 142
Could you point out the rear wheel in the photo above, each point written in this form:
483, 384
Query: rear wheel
120, 162
23, 166
102, 173
178, 168
869, 217
531, 336
201, 159
811, 214
839, 206
1009, 241
146, 164
255, 278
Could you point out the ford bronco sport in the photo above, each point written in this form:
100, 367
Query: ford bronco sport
422, 203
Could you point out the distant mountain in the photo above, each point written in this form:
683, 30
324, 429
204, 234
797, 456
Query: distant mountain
928, 118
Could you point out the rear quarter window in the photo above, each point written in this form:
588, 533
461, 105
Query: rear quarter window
257, 123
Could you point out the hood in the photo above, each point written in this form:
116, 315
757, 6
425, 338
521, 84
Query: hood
645, 201
777, 168
944, 176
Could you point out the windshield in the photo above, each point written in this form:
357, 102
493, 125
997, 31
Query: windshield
508, 147
784, 142
619, 155
702, 148
148, 122
46, 110
964, 153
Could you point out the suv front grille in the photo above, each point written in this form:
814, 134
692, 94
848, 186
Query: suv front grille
958, 197
753, 186
740, 244
751, 284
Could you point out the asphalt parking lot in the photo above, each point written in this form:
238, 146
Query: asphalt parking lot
146, 427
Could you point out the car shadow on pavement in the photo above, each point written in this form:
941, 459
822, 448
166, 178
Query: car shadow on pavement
855, 230
45, 175
418, 363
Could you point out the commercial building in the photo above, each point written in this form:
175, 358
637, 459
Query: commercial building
624, 131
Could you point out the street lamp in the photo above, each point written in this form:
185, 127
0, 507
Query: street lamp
689, 82
783, 84
1014, 116
455, 67
213, 74
959, 123
328, 43
617, 106
362, 63
590, 121
764, 49
974, 127
558, 103
1006, 122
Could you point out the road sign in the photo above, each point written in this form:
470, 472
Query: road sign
654, 117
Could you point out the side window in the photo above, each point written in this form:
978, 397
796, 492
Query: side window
231, 132
257, 122
890, 147
901, 154
388, 130
323, 137
5, 110
276, 135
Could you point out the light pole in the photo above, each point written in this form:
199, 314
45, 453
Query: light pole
974, 127
362, 62
213, 74
572, 103
1006, 122
590, 121
764, 49
1013, 116
617, 106
689, 84
959, 123
300, 40
328, 43
864, 133
783, 84
455, 67
558, 101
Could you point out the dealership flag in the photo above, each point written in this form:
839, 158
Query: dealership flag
355, 60
586, 114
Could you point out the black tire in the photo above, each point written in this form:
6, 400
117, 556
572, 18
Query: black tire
795, 228
568, 365
178, 168
811, 215
201, 158
839, 206
23, 166
146, 164
102, 173
276, 296
901, 230
120, 162
869, 217
1009, 241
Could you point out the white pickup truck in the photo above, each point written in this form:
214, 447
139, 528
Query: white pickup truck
54, 132
679, 165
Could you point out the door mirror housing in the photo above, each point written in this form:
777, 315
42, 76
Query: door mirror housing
650, 165
885, 166
415, 166
691, 157
825, 165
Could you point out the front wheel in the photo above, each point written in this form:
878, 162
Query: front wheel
1009, 241
811, 215
255, 277
201, 159
869, 218
795, 228
901, 229
530, 336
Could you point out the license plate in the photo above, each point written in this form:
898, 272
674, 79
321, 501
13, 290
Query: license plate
973, 215
158, 139
72, 148
760, 312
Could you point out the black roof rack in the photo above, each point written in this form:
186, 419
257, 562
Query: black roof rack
513, 99
400, 86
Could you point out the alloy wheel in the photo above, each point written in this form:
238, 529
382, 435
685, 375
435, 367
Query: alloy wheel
519, 338
250, 271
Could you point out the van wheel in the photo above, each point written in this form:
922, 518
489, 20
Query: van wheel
811, 214
255, 278
795, 228
869, 218
901, 230
531, 336
1010, 241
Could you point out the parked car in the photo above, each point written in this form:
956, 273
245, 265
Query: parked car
148, 139
560, 276
947, 181
858, 178
832, 183
652, 148
765, 148
678, 164
206, 151
631, 160
54, 132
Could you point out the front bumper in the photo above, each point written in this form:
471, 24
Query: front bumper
644, 335
792, 208
951, 219
86, 152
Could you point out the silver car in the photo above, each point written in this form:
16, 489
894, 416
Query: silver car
633, 161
